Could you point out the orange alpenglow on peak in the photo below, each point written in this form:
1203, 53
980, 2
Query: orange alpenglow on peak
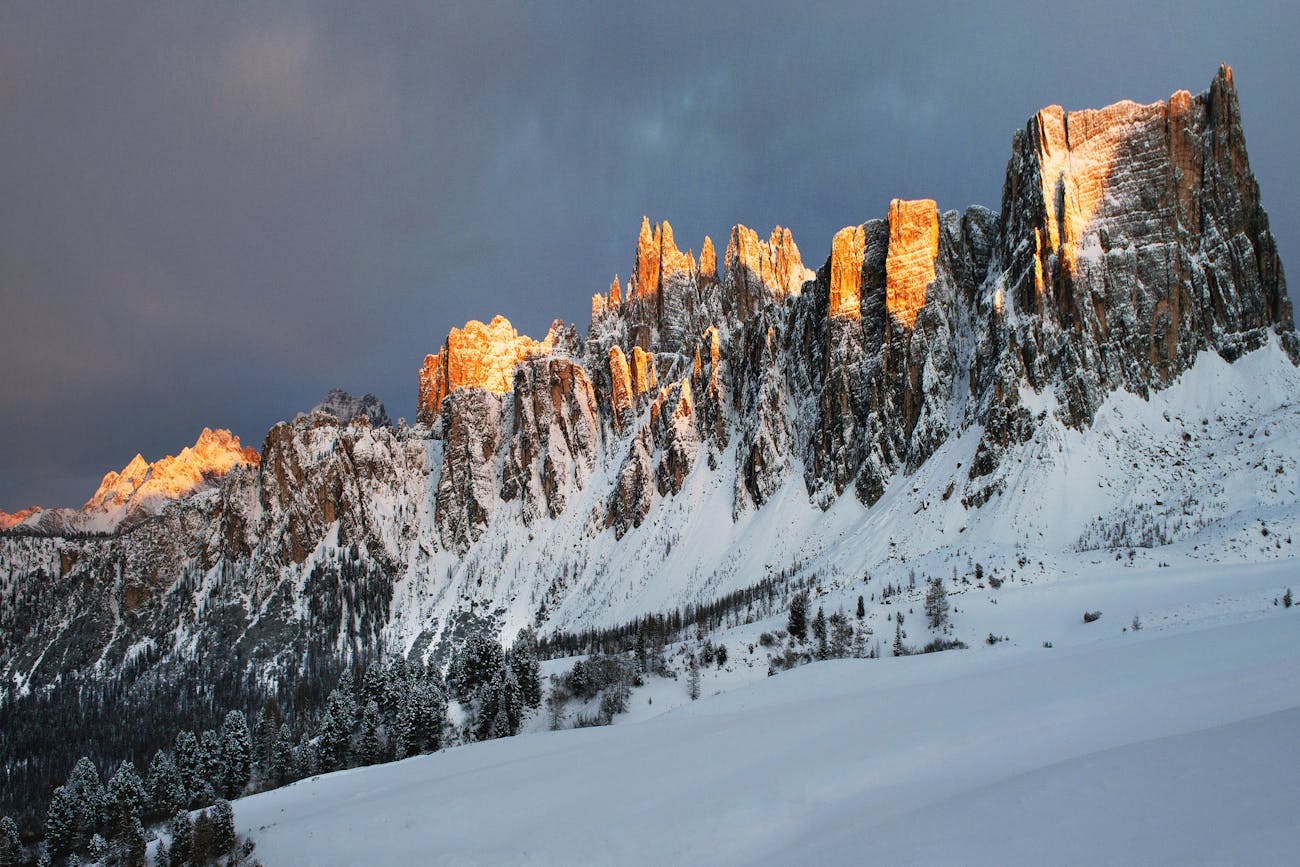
847, 250
708, 262
909, 263
215, 453
657, 258
13, 519
476, 356
775, 263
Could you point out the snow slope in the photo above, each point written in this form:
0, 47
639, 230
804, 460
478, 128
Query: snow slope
1175, 745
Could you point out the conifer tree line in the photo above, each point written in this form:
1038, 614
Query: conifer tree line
746, 605
381, 712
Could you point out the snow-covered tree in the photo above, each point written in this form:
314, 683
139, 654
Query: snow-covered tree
128, 800
477, 663
819, 633
332, 745
372, 748
133, 845
166, 788
188, 758
798, 621
936, 604
236, 753
214, 765
11, 848
181, 830
282, 758
223, 827
527, 668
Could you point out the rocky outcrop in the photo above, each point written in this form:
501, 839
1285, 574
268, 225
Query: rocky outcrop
346, 408
476, 356
13, 519
1134, 238
909, 267
555, 438
141, 487
1129, 239
759, 272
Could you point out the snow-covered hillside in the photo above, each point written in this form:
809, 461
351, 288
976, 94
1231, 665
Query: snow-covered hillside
1173, 744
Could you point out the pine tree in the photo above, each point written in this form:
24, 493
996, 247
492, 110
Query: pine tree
269, 720
189, 762
798, 623
1286, 598
214, 766
61, 817
819, 633
11, 847
88, 802
201, 839
371, 746
527, 668
236, 753
478, 662
98, 850
282, 762
134, 844
223, 827
936, 604
332, 745
128, 800
693, 684
841, 635
862, 608
898, 638
166, 788
181, 830
346, 699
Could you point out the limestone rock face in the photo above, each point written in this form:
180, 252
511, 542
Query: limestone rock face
1134, 238
621, 393
347, 408
141, 483
1129, 239
758, 272
847, 249
476, 356
469, 486
913, 247
556, 437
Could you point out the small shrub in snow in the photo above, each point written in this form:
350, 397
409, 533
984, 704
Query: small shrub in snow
995, 582
1286, 598
941, 644
1090, 616
1047, 644
767, 639
1136, 624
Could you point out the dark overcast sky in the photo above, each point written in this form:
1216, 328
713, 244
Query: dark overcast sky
211, 213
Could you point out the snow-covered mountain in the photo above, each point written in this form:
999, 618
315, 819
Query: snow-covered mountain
1107, 363
345, 407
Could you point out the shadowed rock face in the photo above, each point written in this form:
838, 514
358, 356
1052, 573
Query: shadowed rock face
1129, 239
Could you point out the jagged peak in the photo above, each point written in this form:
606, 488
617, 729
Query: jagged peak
214, 453
478, 355
909, 263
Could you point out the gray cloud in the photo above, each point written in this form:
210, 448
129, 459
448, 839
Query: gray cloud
209, 214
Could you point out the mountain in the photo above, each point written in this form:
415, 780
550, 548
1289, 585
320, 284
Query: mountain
1108, 363
345, 408
141, 489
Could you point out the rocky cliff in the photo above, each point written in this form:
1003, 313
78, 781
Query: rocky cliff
704, 405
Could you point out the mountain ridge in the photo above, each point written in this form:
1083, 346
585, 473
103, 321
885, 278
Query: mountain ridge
543, 476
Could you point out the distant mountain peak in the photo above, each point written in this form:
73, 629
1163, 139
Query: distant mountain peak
346, 407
